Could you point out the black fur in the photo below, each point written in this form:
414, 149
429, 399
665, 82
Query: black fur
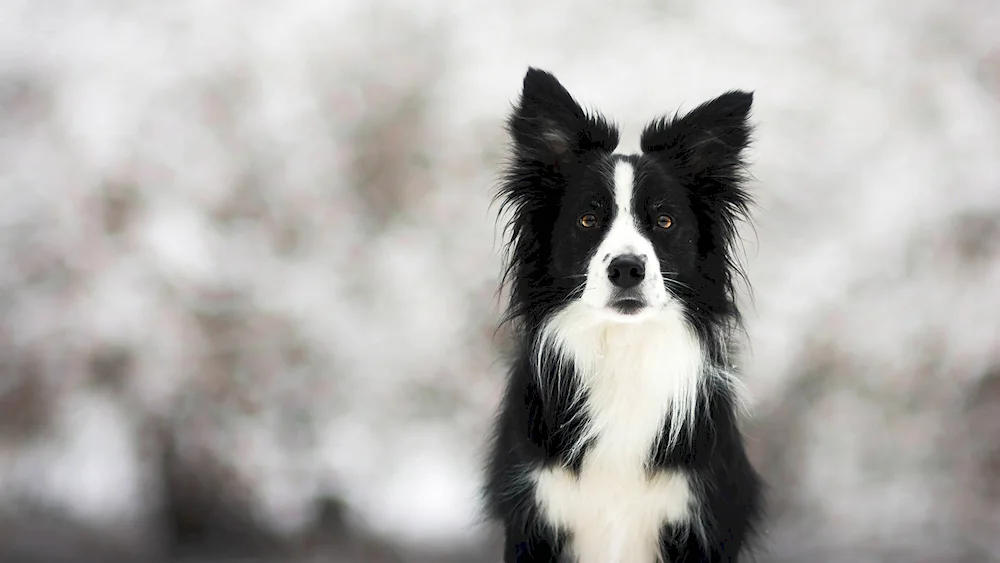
693, 162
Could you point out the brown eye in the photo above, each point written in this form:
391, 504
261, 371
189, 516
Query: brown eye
664, 222
588, 221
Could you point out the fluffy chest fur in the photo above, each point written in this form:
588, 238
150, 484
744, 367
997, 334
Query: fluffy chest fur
639, 384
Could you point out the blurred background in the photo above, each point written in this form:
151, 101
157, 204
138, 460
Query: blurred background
248, 266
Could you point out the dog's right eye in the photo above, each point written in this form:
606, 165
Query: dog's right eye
588, 221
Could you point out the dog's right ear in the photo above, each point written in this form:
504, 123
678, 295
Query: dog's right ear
549, 124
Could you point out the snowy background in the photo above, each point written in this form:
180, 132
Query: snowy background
248, 266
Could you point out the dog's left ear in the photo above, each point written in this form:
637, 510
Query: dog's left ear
549, 125
706, 142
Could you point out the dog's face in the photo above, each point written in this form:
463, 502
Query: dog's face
624, 235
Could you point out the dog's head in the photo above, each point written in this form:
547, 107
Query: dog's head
623, 237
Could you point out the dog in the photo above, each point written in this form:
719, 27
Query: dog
617, 438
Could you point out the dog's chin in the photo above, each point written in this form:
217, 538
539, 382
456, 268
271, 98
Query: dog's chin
628, 306
628, 310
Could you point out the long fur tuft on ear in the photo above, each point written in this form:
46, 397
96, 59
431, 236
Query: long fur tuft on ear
548, 123
706, 142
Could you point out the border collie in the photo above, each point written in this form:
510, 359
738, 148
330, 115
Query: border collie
617, 440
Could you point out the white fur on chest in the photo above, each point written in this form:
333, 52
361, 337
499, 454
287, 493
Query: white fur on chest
635, 376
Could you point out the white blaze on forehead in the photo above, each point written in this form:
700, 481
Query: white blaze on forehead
624, 186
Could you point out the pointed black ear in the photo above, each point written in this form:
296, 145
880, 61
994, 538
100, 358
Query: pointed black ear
708, 140
548, 123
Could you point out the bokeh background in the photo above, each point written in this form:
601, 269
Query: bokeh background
248, 266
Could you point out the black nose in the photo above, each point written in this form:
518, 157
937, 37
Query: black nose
627, 271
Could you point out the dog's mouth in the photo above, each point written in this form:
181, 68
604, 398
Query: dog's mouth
628, 305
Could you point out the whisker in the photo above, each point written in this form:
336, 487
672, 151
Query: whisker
577, 290
675, 282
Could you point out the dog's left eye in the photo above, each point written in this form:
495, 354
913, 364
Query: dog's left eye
664, 221
588, 221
